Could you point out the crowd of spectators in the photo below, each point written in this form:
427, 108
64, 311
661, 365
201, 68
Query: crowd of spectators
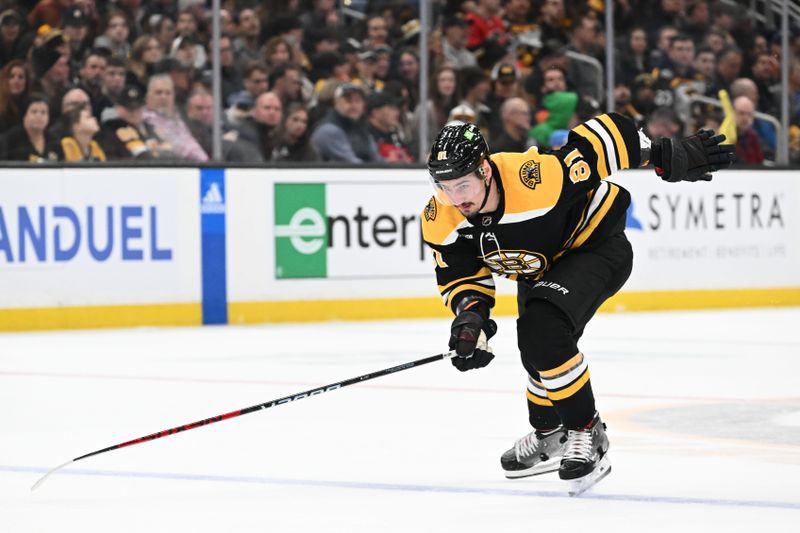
306, 80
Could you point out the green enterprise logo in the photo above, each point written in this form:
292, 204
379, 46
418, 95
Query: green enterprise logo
301, 232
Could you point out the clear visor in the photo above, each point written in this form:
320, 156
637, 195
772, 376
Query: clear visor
457, 191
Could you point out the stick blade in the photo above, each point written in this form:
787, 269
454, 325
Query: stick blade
48, 474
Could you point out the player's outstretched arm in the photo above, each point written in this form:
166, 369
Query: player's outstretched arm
692, 158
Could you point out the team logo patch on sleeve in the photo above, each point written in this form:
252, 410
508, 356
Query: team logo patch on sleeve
529, 174
430, 211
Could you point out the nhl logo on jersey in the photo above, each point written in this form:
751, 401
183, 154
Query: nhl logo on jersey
430, 211
529, 174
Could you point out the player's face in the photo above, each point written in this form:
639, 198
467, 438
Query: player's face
466, 193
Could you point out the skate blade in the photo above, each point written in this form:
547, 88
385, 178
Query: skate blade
551, 465
579, 486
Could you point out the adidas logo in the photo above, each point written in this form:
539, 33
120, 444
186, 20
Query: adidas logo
212, 201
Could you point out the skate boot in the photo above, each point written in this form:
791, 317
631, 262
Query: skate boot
538, 452
585, 459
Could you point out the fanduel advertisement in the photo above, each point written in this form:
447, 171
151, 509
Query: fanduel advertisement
362, 230
94, 236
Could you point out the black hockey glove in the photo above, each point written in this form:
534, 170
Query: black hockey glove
691, 158
469, 334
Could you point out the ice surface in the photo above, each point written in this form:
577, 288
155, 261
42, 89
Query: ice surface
702, 408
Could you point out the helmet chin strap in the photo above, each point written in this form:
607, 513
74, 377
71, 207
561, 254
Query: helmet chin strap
487, 188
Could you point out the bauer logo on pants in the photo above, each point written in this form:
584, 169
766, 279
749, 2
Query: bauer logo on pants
300, 231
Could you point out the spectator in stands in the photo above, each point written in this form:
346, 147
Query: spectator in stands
442, 97
383, 117
146, 53
697, 21
505, 85
124, 135
286, 79
14, 90
112, 82
14, 44
723, 20
715, 40
487, 36
261, 129
200, 119
365, 72
90, 78
525, 34
115, 35
323, 13
231, 75
454, 43
765, 75
675, 69
188, 37
75, 24
586, 40
476, 85
553, 22
377, 33
246, 44
767, 135
516, 121
164, 31
161, 114
277, 51
633, 59
704, 66
50, 67
29, 141
383, 62
408, 72
47, 12
342, 134
287, 27
255, 81
663, 122
748, 145
294, 143
558, 105
729, 64
80, 126
664, 37
182, 77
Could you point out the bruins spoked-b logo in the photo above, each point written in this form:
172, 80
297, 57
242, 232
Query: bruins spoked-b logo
430, 210
529, 174
521, 262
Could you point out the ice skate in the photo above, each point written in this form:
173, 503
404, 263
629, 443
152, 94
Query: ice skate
538, 452
585, 460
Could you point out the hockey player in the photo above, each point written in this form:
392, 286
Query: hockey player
549, 221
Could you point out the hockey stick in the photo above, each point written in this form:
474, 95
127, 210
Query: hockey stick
254, 408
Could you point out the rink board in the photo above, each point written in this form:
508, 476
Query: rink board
106, 247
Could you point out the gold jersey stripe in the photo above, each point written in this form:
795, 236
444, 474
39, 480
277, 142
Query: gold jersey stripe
597, 217
571, 363
468, 287
572, 389
538, 401
624, 162
482, 273
597, 144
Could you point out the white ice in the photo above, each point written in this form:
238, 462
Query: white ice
702, 408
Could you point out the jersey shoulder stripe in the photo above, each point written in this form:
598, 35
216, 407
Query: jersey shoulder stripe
614, 140
532, 183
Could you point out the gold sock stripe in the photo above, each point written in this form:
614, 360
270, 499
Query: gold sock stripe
571, 390
571, 363
538, 401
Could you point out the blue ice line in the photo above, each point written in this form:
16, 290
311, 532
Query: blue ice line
677, 500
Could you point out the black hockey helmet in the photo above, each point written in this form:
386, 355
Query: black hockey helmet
458, 150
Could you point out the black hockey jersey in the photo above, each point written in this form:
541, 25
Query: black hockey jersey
551, 203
